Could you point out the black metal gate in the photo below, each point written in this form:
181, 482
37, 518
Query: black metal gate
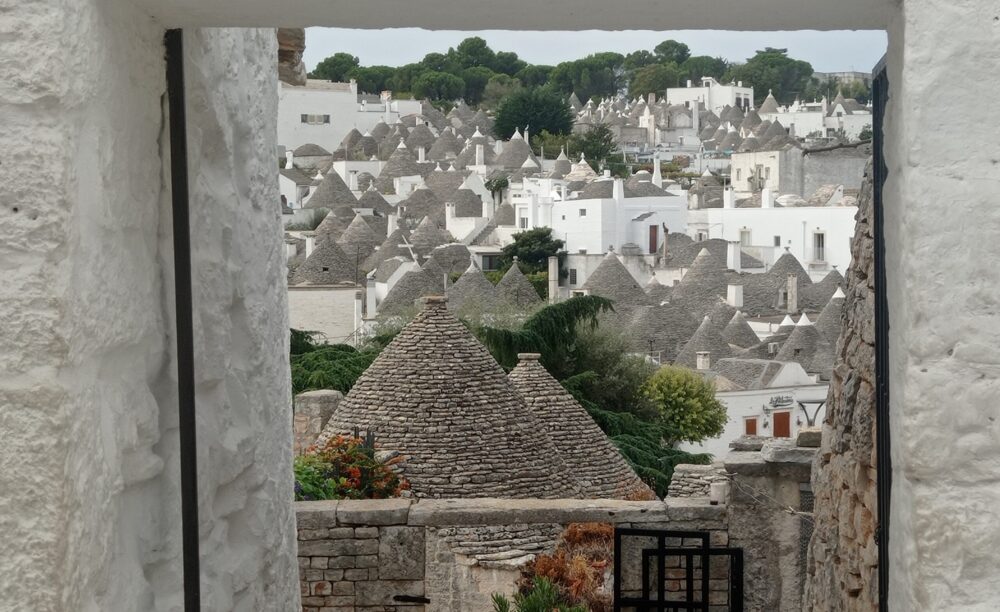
669, 571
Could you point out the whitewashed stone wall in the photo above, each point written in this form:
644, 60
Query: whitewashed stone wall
89, 501
690, 480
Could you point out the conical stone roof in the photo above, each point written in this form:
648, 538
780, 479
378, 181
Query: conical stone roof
769, 105
709, 339
332, 193
703, 284
788, 264
390, 247
515, 152
437, 396
592, 458
446, 146
515, 290
428, 235
366, 148
612, 280
801, 344
380, 131
739, 333
667, 325
401, 163
467, 203
359, 240
326, 265
472, 293
829, 323
467, 157
657, 291
352, 139
373, 199
402, 297
422, 203
454, 258
721, 313
420, 136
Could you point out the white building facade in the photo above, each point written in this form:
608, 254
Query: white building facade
712, 94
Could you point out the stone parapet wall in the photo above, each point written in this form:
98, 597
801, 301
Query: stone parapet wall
843, 555
410, 555
312, 410
690, 480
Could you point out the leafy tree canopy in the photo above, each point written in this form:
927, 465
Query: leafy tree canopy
772, 70
497, 88
507, 62
475, 79
638, 59
372, 79
538, 109
335, 68
699, 66
672, 51
597, 144
532, 249
655, 78
534, 75
474, 51
595, 75
438, 86
686, 403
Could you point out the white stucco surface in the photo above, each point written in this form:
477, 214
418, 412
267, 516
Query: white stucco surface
944, 544
328, 310
89, 501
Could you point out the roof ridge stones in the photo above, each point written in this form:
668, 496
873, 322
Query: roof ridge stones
594, 461
332, 193
358, 240
612, 280
413, 285
428, 235
436, 396
389, 248
739, 333
326, 265
516, 290
472, 293
708, 338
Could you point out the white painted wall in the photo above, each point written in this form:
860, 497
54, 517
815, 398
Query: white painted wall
709, 92
328, 310
743, 166
89, 501
756, 403
610, 223
796, 227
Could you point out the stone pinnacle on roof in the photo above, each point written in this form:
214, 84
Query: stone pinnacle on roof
437, 397
372, 199
708, 339
359, 240
427, 235
516, 290
770, 104
332, 193
829, 321
593, 460
703, 284
787, 325
801, 344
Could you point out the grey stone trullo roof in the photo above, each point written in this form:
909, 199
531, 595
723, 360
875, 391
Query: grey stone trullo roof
514, 289
366, 148
380, 131
467, 203
657, 292
709, 339
721, 313
373, 199
389, 248
467, 156
415, 284
739, 333
818, 295
682, 253
385, 269
668, 325
515, 152
452, 258
788, 264
310, 150
422, 203
594, 461
358, 241
334, 223
472, 293
769, 105
445, 184
801, 344
612, 280
420, 136
332, 193
437, 396
327, 265
353, 138
703, 284
428, 235
747, 374
505, 215
379, 225
400, 163
829, 323
446, 146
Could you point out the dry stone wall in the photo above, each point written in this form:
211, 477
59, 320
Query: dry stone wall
691, 480
843, 556
452, 555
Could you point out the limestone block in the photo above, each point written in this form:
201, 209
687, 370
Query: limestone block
484, 511
809, 437
748, 443
786, 451
312, 411
373, 512
401, 553
383, 592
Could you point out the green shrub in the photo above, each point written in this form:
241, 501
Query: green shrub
345, 468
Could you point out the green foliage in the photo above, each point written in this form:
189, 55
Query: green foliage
507, 62
543, 596
532, 248
534, 75
699, 66
772, 69
304, 341
686, 403
474, 51
337, 67
345, 468
335, 366
866, 133
538, 109
638, 59
551, 331
497, 88
672, 51
599, 74
550, 144
372, 79
438, 86
497, 184
475, 79
597, 144
655, 78
829, 88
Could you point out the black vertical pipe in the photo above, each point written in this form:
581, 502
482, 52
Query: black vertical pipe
174, 43
883, 458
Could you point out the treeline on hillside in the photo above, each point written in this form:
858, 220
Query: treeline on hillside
482, 77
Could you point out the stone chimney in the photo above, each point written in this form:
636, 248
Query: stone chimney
289, 159
421, 154
353, 178
359, 314
657, 173
703, 360
479, 155
734, 296
792, 302
766, 198
618, 190
734, 256
727, 198
553, 278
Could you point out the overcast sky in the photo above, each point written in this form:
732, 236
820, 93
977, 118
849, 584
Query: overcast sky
826, 51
